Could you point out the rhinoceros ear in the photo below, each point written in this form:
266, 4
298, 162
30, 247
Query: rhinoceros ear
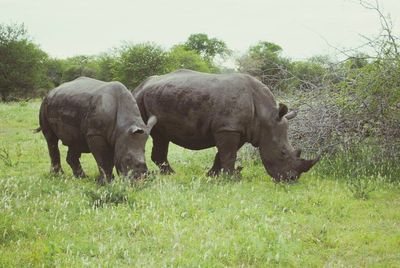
283, 109
135, 130
151, 122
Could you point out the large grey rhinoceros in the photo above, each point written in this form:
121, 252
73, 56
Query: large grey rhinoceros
89, 115
197, 111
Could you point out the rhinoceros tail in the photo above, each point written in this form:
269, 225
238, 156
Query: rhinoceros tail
37, 130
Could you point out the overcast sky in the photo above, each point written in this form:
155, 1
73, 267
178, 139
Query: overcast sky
302, 27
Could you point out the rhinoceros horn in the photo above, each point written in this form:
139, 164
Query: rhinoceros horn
307, 164
291, 115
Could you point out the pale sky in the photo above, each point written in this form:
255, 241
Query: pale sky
301, 27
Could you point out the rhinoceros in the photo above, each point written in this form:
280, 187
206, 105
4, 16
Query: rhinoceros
197, 111
89, 115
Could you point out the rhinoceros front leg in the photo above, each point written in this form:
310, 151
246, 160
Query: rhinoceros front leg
159, 154
227, 143
104, 155
216, 168
73, 160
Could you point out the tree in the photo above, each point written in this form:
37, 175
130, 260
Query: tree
207, 48
307, 75
54, 72
137, 62
265, 48
81, 65
22, 66
180, 58
106, 66
370, 91
264, 61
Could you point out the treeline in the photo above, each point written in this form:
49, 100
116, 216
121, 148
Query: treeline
28, 71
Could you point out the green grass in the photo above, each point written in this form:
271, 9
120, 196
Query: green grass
187, 219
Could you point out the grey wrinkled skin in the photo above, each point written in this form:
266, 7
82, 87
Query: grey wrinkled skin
102, 118
197, 111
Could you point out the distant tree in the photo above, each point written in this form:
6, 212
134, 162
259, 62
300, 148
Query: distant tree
264, 61
180, 58
106, 66
207, 48
357, 61
137, 62
263, 48
81, 65
22, 68
54, 72
308, 75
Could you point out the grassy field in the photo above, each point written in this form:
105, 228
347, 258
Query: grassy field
186, 219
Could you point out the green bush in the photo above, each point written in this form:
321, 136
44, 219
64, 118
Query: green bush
21, 62
137, 62
181, 58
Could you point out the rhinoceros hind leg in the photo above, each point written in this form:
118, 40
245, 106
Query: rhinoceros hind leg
159, 154
54, 152
73, 160
228, 143
103, 155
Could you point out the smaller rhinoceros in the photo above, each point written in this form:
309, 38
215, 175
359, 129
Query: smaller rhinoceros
89, 115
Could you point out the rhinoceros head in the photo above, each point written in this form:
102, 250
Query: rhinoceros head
129, 155
279, 157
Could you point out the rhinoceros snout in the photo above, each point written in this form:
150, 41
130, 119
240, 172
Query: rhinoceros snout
132, 170
140, 170
289, 176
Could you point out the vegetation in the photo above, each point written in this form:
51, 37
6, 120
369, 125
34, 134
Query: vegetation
341, 105
181, 58
264, 61
142, 60
21, 63
27, 71
188, 219
207, 48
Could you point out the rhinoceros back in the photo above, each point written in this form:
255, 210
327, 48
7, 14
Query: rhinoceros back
191, 107
75, 108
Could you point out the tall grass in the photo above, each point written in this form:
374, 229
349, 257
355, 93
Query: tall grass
187, 219
360, 161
